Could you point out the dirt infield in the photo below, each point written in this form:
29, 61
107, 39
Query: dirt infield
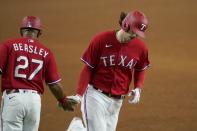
169, 98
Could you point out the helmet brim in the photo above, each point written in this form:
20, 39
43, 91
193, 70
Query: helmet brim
30, 28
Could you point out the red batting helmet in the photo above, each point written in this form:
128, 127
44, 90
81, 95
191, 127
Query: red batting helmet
136, 22
31, 22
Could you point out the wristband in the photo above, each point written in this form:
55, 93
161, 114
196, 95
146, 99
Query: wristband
62, 100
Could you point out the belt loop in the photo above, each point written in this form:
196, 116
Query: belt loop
99, 90
122, 96
4, 93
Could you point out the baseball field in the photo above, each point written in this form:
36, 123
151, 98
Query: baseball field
169, 97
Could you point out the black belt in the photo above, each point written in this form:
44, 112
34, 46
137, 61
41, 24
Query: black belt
110, 95
10, 91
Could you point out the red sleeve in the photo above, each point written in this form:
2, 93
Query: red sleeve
3, 57
139, 78
84, 79
143, 62
51, 75
91, 53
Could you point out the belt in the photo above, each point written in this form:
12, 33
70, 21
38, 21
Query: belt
10, 91
109, 94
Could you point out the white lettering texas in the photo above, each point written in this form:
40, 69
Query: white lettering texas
30, 49
124, 61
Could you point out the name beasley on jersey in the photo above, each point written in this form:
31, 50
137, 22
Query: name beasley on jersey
30, 49
123, 61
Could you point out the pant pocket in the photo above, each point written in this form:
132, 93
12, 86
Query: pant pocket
12, 99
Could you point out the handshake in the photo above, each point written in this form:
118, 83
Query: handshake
68, 103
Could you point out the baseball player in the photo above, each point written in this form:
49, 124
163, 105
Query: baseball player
111, 60
24, 65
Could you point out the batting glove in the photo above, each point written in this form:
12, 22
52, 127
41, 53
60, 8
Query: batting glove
77, 98
136, 96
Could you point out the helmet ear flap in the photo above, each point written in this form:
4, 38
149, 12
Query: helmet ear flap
126, 27
124, 22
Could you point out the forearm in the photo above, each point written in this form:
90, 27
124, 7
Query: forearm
84, 79
64, 102
139, 78
56, 90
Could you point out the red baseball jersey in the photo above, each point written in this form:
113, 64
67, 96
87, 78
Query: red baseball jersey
113, 62
25, 64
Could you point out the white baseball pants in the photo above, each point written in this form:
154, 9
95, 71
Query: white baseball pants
100, 112
20, 111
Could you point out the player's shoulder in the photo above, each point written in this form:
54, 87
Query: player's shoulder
15, 40
10, 41
140, 43
103, 35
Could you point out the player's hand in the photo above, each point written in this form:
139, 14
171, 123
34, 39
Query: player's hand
135, 96
68, 104
77, 98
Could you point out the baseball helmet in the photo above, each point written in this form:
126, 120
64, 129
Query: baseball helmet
136, 22
31, 22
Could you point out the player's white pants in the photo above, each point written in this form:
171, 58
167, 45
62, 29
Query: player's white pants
100, 113
20, 111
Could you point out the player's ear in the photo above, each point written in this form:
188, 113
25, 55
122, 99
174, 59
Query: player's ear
21, 32
39, 33
122, 16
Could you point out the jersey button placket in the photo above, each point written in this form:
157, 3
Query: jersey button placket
116, 67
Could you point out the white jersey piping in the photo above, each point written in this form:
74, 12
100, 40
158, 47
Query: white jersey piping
54, 82
86, 63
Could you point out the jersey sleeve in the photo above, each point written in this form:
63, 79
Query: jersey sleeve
139, 78
84, 79
51, 75
91, 53
3, 57
143, 62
